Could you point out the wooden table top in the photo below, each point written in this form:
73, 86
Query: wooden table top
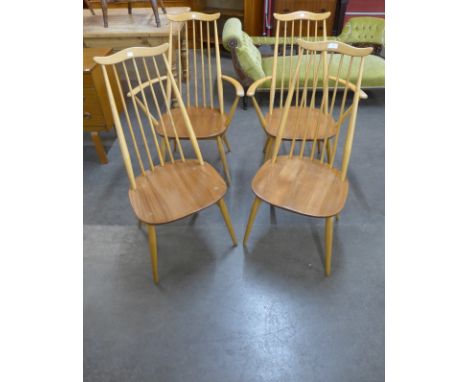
140, 23
89, 53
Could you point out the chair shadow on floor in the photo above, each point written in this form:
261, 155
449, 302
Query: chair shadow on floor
286, 254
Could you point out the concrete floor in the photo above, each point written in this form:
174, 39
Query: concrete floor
264, 312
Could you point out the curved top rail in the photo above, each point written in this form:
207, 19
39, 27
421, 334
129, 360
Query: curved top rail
302, 15
125, 54
334, 46
194, 16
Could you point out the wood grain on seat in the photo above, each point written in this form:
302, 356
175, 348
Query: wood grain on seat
174, 191
207, 123
301, 185
307, 122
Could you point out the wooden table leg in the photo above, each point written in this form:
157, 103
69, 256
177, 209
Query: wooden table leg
129, 5
99, 148
154, 5
163, 7
104, 12
90, 7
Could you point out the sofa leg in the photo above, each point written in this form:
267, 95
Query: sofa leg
244, 102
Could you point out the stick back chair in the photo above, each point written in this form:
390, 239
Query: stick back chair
196, 72
290, 27
302, 181
164, 191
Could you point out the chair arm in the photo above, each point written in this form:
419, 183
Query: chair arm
252, 88
235, 83
362, 94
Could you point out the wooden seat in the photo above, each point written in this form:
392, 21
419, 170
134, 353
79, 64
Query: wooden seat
300, 185
175, 191
207, 123
307, 123
165, 190
302, 182
199, 71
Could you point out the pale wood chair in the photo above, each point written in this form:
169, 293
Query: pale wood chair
164, 191
302, 181
290, 27
195, 76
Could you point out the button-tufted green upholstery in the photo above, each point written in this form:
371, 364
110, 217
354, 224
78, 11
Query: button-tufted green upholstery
248, 55
358, 30
363, 30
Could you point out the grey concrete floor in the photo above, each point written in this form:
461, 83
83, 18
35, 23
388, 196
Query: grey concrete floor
264, 312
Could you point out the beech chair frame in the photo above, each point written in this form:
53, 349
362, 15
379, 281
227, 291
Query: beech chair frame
306, 183
290, 27
164, 191
209, 120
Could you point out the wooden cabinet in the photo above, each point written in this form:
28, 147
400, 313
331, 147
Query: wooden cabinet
97, 115
286, 6
250, 12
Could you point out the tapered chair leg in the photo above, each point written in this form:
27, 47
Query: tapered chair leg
104, 12
328, 151
153, 244
226, 142
222, 154
227, 219
328, 244
268, 148
253, 213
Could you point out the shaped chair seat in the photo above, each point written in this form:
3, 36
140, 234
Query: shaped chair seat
175, 190
300, 185
207, 123
307, 123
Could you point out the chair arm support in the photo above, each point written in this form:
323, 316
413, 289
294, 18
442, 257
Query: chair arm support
237, 86
362, 94
252, 88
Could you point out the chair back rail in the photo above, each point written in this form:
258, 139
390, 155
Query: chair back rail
327, 114
289, 28
148, 106
196, 68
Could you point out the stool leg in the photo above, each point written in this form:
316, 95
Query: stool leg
104, 12
154, 5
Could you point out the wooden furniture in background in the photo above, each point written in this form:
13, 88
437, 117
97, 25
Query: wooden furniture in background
250, 12
289, 28
302, 181
164, 191
335, 7
97, 115
205, 107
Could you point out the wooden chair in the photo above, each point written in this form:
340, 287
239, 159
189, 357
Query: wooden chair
164, 191
302, 181
195, 76
104, 7
289, 28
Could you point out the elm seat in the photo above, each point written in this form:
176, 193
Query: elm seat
207, 123
307, 124
160, 197
300, 185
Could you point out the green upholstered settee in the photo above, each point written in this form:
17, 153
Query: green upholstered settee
251, 65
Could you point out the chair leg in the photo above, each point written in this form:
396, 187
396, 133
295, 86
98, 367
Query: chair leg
328, 146
268, 148
244, 102
90, 7
104, 12
253, 212
328, 244
222, 154
129, 6
163, 149
226, 142
163, 7
227, 219
99, 148
154, 5
153, 244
